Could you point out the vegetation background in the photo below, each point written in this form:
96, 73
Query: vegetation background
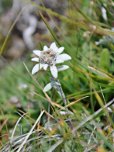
33, 121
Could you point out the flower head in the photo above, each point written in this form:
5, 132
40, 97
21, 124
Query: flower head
49, 57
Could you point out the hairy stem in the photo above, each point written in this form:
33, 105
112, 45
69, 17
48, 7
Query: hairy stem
57, 85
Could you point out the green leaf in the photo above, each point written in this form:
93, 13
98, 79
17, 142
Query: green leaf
104, 62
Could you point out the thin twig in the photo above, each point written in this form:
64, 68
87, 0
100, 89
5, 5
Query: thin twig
30, 132
55, 145
16, 127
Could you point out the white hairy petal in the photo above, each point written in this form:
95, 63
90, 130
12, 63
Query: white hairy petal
45, 66
41, 66
63, 67
64, 57
45, 48
60, 50
35, 59
47, 87
59, 61
35, 68
54, 71
53, 46
37, 52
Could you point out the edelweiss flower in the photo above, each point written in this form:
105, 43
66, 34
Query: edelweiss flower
49, 57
